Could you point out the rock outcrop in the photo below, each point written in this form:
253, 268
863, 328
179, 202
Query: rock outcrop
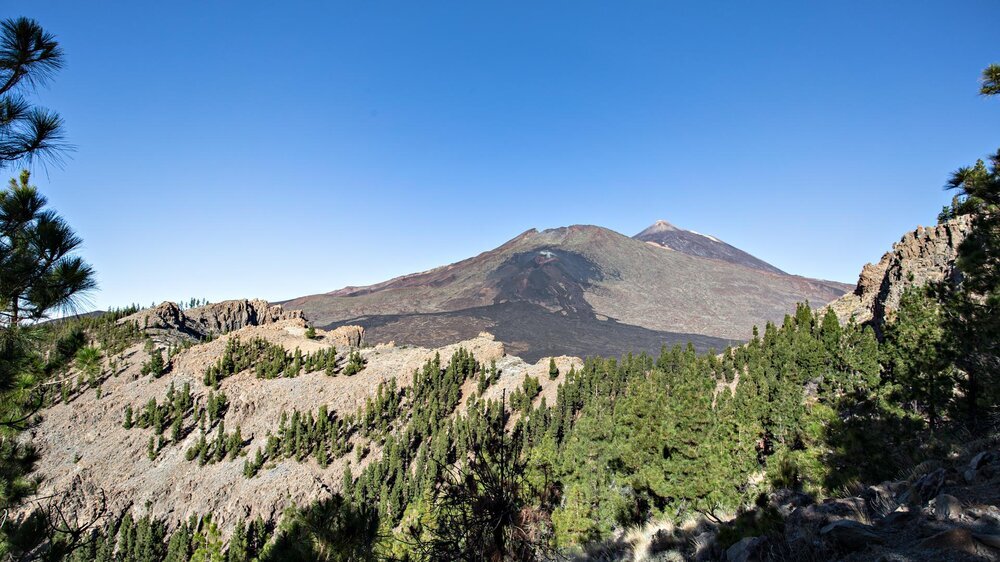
925, 255
347, 336
169, 323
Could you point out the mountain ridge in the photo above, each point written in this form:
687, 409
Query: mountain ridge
665, 234
541, 289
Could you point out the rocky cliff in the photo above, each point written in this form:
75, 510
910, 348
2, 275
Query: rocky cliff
925, 255
169, 322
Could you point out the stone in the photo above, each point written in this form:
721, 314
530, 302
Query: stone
992, 541
925, 488
786, 500
347, 336
746, 550
947, 508
897, 518
703, 546
843, 508
986, 516
953, 539
850, 535
981, 459
880, 499
978, 464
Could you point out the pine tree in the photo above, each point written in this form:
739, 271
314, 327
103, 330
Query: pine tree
914, 354
239, 547
39, 271
155, 366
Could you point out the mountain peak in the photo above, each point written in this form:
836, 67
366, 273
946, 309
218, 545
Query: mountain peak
666, 235
659, 226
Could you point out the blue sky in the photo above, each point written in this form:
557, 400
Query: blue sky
238, 149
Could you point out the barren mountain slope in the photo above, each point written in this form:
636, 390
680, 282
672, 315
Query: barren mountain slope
664, 234
86, 453
578, 289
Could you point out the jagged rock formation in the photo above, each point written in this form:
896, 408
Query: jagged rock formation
168, 322
925, 255
579, 290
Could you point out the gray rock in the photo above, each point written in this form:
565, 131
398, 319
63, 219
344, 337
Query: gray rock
880, 499
947, 508
970, 475
897, 518
926, 487
953, 539
703, 547
981, 459
747, 550
978, 464
992, 541
850, 535
786, 500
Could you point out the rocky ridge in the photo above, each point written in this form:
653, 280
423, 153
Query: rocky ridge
925, 255
88, 459
170, 322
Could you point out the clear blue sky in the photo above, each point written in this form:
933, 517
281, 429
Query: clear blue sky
237, 149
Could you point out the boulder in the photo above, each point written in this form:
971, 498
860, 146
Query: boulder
347, 336
978, 464
926, 487
981, 459
746, 550
953, 539
969, 475
947, 508
992, 541
804, 523
880, 499
850, 535
985, 516
843, 508
703, 547
786, 500
897, 518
